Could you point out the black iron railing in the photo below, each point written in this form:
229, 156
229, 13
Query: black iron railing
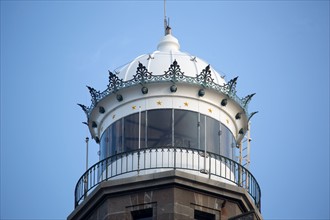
144, 161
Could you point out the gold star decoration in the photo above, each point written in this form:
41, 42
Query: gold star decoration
134, 107
186, 104
210, 110
159, 102
227, 121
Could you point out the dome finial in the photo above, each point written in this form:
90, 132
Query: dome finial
168, 30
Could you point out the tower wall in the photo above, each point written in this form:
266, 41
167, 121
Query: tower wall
168, 195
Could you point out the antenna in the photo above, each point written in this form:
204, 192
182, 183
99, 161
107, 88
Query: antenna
165, 21
167, 28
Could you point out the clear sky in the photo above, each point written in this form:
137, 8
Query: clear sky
50, 50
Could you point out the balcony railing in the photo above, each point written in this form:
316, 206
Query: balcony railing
149, 160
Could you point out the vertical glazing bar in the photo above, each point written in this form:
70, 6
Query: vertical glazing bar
139, 144
139, 127
233, 147
173, 127
199, 131
205, 156
122, 136
146, 129
219, 132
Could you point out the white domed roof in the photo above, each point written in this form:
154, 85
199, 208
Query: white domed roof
159, 61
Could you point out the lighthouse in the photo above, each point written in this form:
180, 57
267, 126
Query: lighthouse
170, 130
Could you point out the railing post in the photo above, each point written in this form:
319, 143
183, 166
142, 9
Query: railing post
87, 139
240, 175
106, 168
138, 168
86, 179
209, 166
85, 185
174, 150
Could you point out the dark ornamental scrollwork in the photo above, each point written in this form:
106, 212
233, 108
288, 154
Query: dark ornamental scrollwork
246, 100
114, 82
84, 108
174, 72
174, 75
95, 95
205, 76
231, 86
251, 115
142, 74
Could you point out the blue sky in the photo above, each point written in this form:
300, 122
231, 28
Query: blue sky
50, 50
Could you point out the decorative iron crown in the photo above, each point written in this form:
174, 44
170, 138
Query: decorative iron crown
173, 74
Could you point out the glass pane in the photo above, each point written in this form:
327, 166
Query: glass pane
104, 144
202, 128
111, 140
116, 137
191, 130
159, 131
131, 132
213, 135
185, 129
143, 130
227, 142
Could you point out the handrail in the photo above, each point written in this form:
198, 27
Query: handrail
142, 160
